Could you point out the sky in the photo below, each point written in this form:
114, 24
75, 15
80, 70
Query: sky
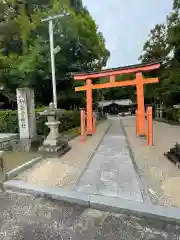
126, 24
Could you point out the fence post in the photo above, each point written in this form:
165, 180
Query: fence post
83, 126
150, 126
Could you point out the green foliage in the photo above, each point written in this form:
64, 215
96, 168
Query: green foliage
170, 114
164, 42
69, 120
178, 115
9, 121
118, 92
24, 47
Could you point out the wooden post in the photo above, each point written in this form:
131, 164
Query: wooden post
150, 126
89, 107
140, 103
83, 126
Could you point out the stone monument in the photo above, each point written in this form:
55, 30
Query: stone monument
26, 113
26, 117
54, 144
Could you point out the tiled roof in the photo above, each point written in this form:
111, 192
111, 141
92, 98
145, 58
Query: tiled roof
123, 102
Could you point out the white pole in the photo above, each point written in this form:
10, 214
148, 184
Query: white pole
51, 39
52, 51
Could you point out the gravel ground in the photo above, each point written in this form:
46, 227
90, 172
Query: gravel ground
159, 175
66, 170
23, 217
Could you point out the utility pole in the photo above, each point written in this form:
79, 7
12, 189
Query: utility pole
53, 51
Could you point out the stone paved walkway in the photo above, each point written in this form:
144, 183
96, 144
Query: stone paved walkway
111, 172
160, 176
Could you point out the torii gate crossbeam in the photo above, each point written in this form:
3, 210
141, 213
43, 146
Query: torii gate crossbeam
139, 82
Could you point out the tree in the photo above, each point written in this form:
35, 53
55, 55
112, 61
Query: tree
118, 92
24, 47
164, 42
156, 46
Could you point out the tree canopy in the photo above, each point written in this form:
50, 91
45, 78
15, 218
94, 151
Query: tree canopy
164, 42
24, 47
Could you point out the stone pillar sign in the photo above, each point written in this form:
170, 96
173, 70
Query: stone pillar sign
26, 113
31, 113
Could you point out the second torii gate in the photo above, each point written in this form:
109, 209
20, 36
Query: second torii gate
139, 82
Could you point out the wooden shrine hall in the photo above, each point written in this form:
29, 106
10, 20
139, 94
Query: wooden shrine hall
112, 73
116, 107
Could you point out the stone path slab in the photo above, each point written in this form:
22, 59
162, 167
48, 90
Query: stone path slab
110, 172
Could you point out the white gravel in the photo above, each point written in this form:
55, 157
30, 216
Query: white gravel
158, 173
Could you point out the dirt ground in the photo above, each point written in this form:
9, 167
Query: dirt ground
24, 217
160, 176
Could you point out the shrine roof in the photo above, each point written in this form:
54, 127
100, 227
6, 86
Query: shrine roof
121, 102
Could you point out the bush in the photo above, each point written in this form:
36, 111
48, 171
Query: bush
178, 115
172, 114
9, 121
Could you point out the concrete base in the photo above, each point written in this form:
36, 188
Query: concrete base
59, 149
141, 135
48, 192
110, 204
30, 144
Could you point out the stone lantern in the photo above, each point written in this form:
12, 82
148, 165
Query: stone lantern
53, 144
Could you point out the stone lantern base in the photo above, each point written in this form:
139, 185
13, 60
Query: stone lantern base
57, 150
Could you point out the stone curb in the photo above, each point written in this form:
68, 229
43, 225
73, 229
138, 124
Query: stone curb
54, 193
132, 208
14, 172
107, 204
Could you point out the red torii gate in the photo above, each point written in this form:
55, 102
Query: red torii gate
139, 81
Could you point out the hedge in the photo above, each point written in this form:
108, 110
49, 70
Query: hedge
9, 121
172, 114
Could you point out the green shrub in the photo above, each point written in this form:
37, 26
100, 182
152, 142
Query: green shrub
170, 114
9, 121
178, 115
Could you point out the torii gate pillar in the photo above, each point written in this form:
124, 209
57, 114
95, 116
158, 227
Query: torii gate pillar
140, 103
89, 107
